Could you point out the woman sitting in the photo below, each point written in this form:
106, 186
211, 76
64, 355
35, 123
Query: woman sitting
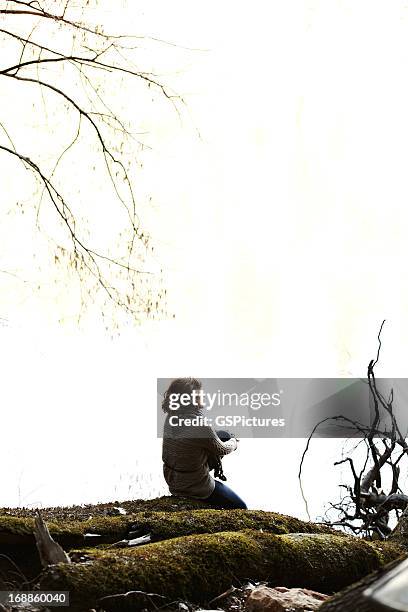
190, 449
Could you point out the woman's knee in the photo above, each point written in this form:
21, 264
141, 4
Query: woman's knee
235, 501
238, 503
224, 497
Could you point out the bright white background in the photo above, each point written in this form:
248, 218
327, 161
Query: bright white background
283, 233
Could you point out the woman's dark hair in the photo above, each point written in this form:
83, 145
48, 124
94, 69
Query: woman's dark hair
178, 387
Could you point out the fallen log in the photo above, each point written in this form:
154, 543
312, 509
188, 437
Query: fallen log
199, 567
15, 531
166, 503
17, 540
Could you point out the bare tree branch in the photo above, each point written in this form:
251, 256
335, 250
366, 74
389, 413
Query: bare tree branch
95, 56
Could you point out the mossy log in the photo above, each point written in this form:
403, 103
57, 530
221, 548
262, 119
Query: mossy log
162, 525
166, 503
17, 541
201, 566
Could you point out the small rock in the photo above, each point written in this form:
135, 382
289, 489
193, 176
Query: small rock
183, 607
281, 599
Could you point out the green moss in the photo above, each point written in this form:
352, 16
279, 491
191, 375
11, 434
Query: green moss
16, 526
165, 525
14, 530
400, 534
166, 503
162, 525
198, 567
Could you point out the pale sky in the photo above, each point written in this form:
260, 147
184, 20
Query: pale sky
282, 229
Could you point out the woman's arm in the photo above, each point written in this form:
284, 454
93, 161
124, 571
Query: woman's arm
212, 443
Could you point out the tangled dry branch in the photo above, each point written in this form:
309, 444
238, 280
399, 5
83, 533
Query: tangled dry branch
375, 497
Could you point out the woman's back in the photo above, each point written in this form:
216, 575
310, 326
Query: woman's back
186, 451
189, 444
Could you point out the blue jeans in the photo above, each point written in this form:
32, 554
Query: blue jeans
224, 497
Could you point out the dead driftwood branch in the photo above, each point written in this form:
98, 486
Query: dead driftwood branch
375, 495
49, 550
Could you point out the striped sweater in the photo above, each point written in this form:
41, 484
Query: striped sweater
185, 454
